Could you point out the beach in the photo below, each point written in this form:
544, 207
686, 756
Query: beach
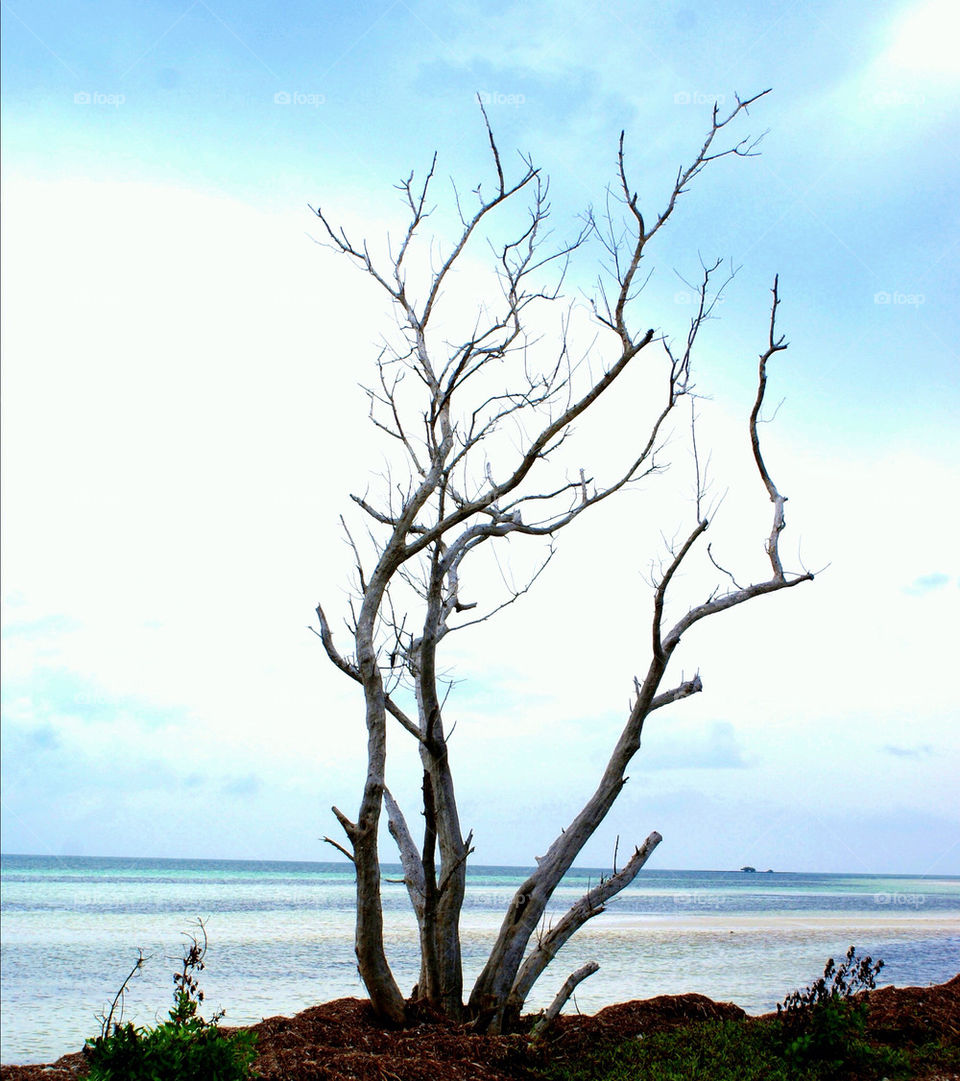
281, 937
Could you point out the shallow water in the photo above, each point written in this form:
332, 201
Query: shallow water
281, 937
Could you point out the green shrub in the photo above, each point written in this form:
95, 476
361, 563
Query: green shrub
185, 1048
169, 1051
824, 1024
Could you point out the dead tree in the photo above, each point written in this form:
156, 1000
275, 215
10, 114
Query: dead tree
479, 426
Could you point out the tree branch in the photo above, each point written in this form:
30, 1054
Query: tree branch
688, 687
353, 671
570, 985
775, 345
590, 905
410, 860
339, 847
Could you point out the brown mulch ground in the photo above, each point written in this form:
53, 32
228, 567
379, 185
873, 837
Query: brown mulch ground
339, 1040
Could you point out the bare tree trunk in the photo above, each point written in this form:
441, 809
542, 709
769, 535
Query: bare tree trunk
385, 995
374, 969
450, 887
444, 891
437, 909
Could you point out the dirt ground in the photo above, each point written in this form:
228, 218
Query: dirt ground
340, 1041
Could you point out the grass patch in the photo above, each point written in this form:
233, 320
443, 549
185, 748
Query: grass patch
751, 1050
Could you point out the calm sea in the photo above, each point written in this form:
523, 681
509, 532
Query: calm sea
281, 937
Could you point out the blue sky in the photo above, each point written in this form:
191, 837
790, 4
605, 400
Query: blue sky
182, 424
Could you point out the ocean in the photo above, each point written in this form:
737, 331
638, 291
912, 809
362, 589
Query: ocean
281, 937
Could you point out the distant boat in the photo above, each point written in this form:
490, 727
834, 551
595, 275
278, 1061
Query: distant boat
753, 869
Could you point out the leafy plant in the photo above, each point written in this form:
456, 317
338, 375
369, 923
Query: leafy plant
825, 1022
186, 1048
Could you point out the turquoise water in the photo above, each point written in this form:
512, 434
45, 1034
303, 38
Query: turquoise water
281, 936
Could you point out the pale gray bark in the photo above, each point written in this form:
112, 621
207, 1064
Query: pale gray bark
570, 984
409, 856
453, 503
590, 905
490, 1000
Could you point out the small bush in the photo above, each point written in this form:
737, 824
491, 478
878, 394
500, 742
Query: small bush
185, 1048
824, 1024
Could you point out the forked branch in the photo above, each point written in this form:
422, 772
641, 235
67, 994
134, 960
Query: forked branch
591, 904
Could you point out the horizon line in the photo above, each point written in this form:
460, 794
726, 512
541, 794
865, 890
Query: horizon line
746, 869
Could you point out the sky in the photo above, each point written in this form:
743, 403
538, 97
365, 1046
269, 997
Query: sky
184, 421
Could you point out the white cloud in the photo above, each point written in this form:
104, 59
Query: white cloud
922, 41
182, 428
